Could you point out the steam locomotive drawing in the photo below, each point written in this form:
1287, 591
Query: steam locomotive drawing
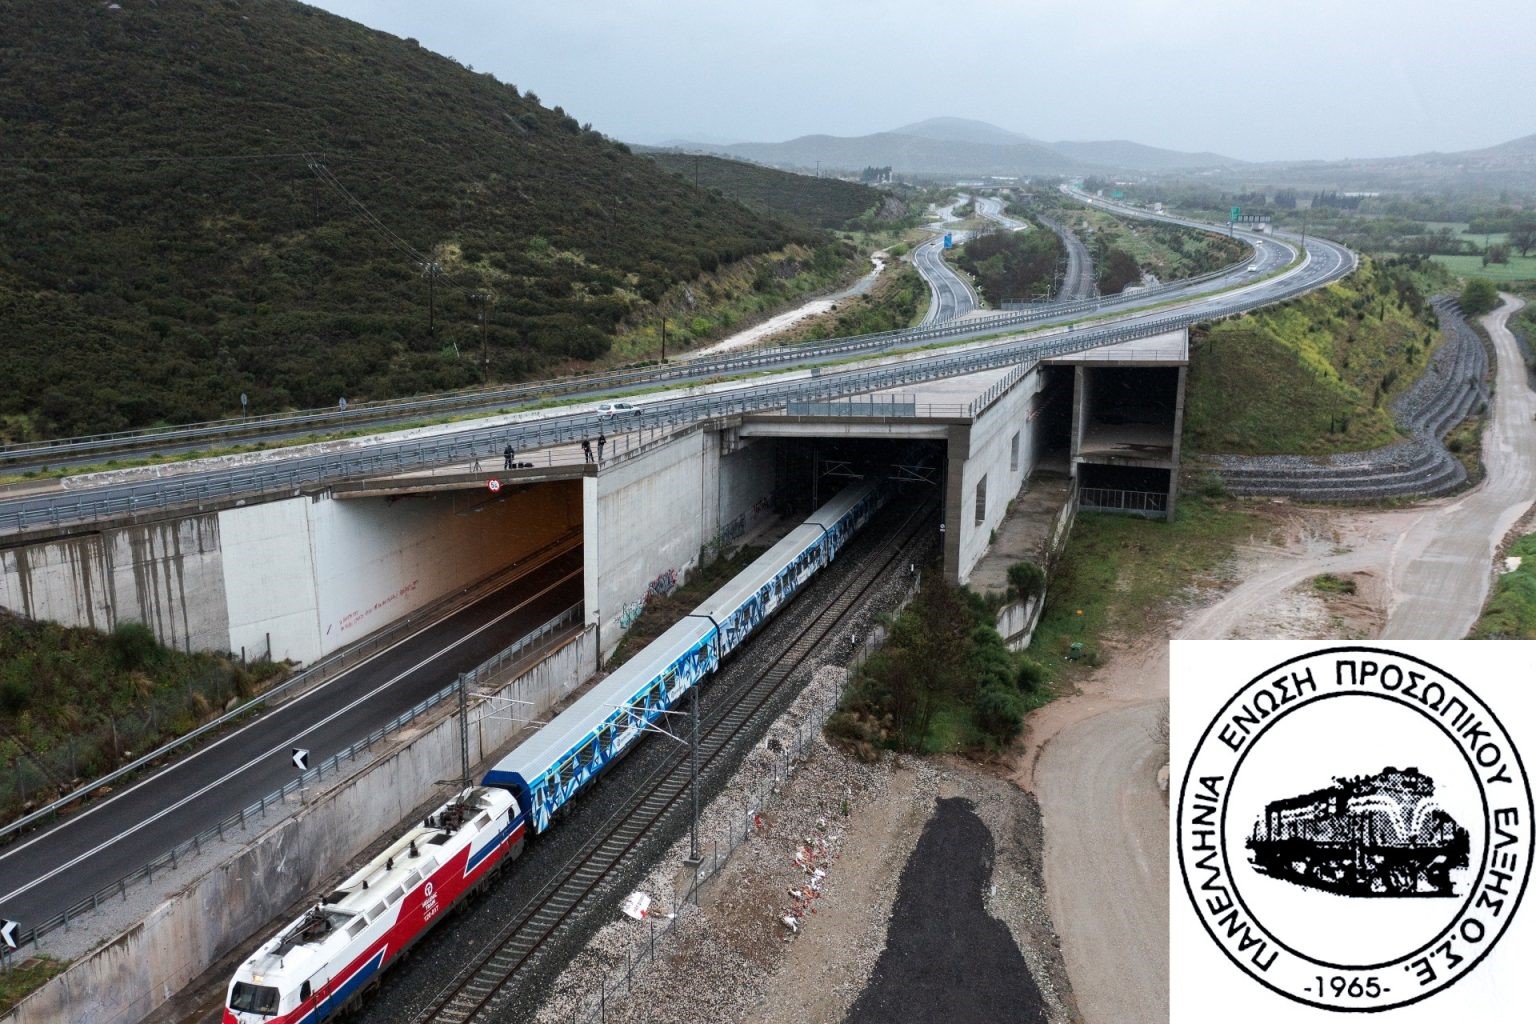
1371, 835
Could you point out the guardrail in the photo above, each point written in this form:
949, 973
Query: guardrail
754, 357
1109, 499
528, 646
291, 476
294, 474
322, 669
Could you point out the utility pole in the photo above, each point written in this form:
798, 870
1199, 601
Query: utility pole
663, 339
695, 170
693, 753
464, 731
481, 299
430, 269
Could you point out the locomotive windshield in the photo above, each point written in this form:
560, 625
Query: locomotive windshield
248, 998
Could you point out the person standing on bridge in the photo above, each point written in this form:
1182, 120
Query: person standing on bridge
506, 456
586, 450
601, 440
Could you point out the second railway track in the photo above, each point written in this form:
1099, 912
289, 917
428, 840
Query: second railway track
475, 992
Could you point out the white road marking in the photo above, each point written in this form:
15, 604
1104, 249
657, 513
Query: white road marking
280, 746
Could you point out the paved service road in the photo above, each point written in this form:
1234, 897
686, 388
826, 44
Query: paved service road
1106, 862
1441, 568
43, 873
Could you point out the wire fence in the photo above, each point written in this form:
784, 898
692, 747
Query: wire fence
593, 1004
276, 804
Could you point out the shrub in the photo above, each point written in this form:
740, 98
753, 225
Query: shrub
1026, 579
999, 713
133, 646
1478, 296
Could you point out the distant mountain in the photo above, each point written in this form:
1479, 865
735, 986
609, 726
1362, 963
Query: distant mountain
1137, 157
908, 154
958, 146
963, 129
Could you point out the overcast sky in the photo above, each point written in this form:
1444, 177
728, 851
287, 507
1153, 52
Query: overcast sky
1255, 79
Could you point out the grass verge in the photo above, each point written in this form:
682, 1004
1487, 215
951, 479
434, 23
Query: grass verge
1510, 613
1119, 573
20, 981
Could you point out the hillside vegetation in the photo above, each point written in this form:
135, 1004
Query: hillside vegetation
1317, 374
821, 202
209, 199
1013, 265
75, 703
1511, 610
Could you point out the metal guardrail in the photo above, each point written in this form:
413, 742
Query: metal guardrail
526, 647
1109, 499
754, 357
321, 669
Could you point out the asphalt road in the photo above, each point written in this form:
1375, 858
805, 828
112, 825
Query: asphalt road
1106, 862
1440, 569
950, 295
287, 470
43, 873
991, 208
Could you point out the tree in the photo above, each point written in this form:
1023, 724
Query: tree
1496, 253
1478, 296
1523, 235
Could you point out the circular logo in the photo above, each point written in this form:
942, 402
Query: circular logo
1354, 829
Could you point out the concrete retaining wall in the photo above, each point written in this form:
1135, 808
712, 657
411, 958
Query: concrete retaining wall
130, 976
990, 454
296, 578
646, 519
167, 575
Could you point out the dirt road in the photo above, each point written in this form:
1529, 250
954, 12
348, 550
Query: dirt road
1091, 759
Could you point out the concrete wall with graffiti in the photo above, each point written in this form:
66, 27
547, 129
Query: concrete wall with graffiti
646, 520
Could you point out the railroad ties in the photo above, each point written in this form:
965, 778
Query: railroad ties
472, 994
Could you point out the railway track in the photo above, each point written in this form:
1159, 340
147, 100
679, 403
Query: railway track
472, 994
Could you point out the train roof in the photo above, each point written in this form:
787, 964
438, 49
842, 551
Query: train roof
554, 742
368, 892
747, 582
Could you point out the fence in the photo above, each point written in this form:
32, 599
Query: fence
530, 646
1107, 499
592, 1005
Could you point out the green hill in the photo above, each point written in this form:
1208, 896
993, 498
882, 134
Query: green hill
204, 199
821, 202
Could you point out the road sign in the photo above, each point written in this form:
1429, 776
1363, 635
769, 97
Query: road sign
1237, 211
301, 759
8, 933
493, 486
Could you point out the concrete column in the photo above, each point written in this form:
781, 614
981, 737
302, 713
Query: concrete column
1178, 440
956, 450
1079, 415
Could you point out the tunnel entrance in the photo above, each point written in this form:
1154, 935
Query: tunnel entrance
1052, 414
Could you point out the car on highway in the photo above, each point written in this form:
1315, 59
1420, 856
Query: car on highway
618, 409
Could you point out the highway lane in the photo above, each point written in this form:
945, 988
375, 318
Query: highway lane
286, 471
43, 873
950, 296
991, 208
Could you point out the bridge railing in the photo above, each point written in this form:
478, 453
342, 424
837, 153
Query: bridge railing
527, 647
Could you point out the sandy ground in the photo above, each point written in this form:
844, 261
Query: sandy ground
1093, 758
783, 321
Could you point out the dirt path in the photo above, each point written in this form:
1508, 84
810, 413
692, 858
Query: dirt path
1092, 758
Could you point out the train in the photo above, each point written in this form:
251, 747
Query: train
1372, 835
321, 963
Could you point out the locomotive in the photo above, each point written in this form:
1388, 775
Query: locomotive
319, 965
1371, 835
